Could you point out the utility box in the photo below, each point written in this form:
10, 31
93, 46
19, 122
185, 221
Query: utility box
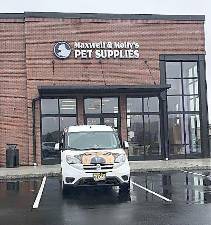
12, 156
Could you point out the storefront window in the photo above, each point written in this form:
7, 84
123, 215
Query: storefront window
190, 86
184, 128
66, 122
134, 105
151, 104
174, 103
152, 134
135, 135
176, 134
109, 105
173, 70
49, 106
176, 86
191, 103
50, 136
67, 106
111, 122
92, 105
50, 129
93, 121
56, 115
102, 110
192, 129
143, 125
189, 69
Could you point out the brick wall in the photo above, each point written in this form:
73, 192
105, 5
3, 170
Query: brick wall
27, 61
13, 108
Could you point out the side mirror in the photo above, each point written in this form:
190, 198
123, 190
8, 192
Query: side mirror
57, 146
126, 145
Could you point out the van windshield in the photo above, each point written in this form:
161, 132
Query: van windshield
92, 140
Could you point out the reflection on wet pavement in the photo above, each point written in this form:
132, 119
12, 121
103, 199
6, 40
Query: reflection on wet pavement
17, 193
178, 186
90, 206
96, 196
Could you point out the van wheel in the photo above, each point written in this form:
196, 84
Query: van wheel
64, 188
124, 188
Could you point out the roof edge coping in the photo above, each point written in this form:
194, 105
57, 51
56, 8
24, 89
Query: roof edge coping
104, 16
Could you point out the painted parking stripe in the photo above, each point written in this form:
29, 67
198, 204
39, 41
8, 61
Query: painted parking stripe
152, 192
39, 195
196, 174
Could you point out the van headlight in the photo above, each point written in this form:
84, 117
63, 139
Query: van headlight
120, 158
72, 160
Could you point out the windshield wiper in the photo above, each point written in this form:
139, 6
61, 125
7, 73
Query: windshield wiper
70, 148
92, 148
84, 149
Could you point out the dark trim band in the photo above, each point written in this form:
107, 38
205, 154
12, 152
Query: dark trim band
104, 16
52, 90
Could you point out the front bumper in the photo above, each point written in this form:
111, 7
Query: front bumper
76, 177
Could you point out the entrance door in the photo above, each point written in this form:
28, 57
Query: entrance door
99, 111
111, 120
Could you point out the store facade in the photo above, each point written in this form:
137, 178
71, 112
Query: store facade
144, 75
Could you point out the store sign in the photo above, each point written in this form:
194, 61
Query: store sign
62, 50
97, 50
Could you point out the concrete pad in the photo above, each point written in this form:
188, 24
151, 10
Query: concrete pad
173, 165
136, 167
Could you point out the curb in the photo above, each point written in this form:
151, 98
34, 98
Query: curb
133, 172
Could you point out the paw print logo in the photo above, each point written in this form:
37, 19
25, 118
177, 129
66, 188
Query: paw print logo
62, 50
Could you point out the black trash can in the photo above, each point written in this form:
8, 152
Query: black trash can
12, 156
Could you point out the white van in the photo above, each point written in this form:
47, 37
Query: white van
92, 155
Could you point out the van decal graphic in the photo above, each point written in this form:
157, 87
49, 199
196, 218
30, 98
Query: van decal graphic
97, 158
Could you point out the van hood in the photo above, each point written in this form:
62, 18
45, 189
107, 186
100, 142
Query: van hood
96, 156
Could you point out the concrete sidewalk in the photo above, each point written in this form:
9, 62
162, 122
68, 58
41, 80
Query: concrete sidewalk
136, 167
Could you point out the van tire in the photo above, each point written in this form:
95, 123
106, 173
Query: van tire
124, 188
64, 188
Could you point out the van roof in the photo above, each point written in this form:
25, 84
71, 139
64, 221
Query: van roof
90, 128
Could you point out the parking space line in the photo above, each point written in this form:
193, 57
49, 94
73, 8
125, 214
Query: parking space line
196, 174
152, 192
39, 195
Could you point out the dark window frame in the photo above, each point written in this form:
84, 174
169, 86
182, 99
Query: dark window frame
202, 94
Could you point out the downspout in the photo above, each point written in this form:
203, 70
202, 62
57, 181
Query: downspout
34, 100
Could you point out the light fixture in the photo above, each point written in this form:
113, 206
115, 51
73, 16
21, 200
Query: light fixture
106, 100
92, 108
66, 101
69, 105
67, 108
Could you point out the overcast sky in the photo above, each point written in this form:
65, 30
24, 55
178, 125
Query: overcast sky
201, 7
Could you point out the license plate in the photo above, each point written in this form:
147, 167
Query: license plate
99, 176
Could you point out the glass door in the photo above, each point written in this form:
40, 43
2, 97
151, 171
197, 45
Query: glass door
111, 120
99, 111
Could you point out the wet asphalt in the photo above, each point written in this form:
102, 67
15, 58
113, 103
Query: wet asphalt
190, 195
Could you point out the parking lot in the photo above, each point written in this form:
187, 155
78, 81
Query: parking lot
173, 198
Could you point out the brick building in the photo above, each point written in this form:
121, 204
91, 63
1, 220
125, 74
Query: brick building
142, 74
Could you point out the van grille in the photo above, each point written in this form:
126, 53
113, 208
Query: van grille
94, 167
90, 181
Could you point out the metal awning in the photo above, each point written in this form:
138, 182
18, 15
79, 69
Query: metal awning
48, 91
